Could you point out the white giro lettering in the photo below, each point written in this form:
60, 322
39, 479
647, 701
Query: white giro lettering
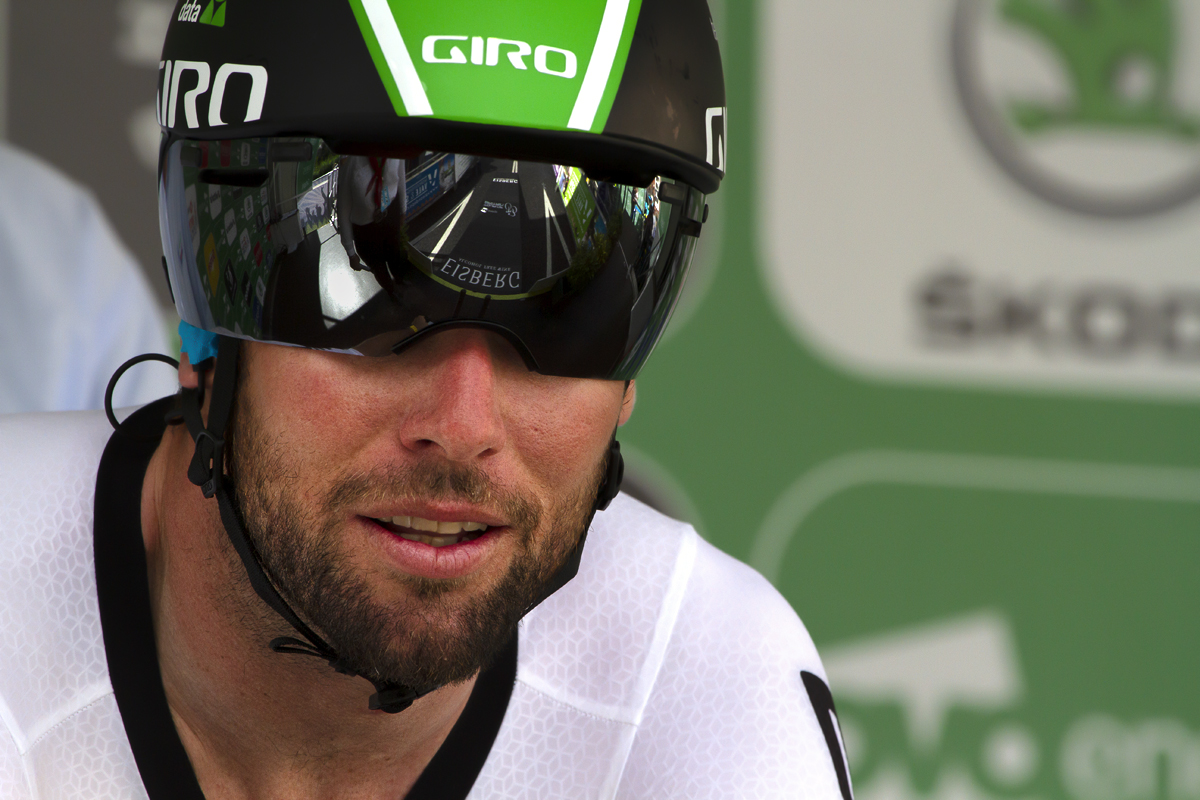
516, 56
429, 50
570, 62
258, 91
546, 59
189, 100
399, 62
599, 67
716, 141
164, 94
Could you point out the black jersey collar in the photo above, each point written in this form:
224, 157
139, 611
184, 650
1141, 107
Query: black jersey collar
124, 598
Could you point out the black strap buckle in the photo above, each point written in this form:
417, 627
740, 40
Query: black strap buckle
612, 477
205, 469
393, 699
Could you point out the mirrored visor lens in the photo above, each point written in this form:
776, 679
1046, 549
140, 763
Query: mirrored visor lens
283, 240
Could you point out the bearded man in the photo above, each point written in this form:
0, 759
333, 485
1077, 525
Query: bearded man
420, 251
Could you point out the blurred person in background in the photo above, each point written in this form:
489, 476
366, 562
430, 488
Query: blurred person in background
74, 305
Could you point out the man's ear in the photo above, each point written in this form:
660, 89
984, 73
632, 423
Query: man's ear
628, 402
188, 377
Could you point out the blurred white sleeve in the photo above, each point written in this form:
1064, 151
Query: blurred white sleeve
74, 304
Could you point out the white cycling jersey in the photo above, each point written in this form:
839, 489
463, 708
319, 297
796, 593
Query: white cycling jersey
665, 669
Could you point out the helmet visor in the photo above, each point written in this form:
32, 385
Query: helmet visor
285, 240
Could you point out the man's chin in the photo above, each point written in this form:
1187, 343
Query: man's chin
423, 632
428, 647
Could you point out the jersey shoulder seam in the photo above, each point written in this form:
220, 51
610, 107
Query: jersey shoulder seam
26, 771
655, 654
90, 697
597, 711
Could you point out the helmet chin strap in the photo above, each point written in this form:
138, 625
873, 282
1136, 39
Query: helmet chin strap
609, 487
208, 472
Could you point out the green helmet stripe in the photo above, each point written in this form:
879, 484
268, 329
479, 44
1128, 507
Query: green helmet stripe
614, 32
395, 55
521, 62
391, 57
385, 74
614, 84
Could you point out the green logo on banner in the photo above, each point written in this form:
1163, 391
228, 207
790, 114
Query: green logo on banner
1081, 101
1008, 629
214, 13
1119, 57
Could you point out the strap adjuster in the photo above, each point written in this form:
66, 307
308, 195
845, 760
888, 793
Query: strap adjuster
205, 469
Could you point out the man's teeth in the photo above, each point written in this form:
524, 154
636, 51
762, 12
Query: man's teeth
442, 532
433, 526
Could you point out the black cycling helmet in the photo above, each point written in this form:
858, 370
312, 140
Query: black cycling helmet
352, 175
358, 175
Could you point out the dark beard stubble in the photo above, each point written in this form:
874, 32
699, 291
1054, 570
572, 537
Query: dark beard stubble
443, 636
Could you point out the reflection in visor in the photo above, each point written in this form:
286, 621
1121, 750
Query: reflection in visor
284, 240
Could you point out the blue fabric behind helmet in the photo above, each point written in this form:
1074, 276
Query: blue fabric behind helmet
198, 344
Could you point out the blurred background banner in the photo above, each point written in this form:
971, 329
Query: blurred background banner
936, 374
988, 192
950, 364
81, 80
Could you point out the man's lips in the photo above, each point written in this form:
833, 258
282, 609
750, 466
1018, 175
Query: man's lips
433, 555
435, 533
427, 517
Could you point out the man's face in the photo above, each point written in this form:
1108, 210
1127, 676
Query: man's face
344, 464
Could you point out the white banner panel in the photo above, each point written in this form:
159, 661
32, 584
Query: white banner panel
1000, 192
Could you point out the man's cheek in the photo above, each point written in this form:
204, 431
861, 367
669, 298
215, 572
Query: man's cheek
559, 443
559, 466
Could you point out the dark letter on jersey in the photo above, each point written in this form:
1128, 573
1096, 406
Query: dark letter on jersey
822, 701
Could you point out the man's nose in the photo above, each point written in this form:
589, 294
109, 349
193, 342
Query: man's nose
456, 408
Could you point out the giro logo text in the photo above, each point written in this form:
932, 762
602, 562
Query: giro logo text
487, 52
244, 85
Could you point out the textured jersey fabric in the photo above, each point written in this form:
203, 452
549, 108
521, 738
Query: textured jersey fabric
75, 305
664, 669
